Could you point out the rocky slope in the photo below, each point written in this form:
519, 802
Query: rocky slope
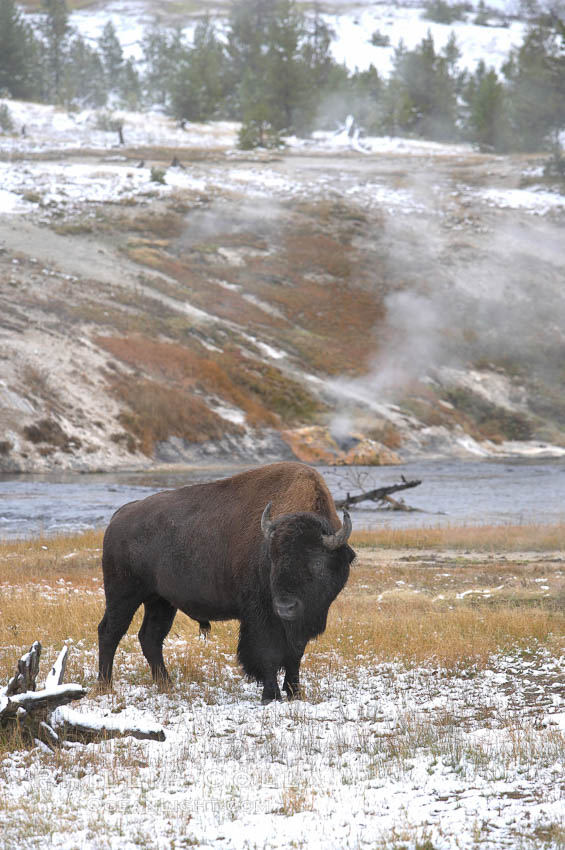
365, 305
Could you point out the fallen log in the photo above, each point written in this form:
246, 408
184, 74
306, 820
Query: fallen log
38, 701
81, 726
37, 714
379, 494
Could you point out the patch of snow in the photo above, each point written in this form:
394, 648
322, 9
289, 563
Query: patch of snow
529, 448
265, 306
493, 387
46, 125
273, 353
231, 414
385, 750
233, 287
10, 202
103, 723
535, 201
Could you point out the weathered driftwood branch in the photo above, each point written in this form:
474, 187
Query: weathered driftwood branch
28, 667
57, 672
30, 709
80, 726
380, 494
38, 713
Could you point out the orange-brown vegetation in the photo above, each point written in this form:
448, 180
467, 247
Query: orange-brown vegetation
205, 292
167, 225
167, 400
157, 412
308, 270
310, 252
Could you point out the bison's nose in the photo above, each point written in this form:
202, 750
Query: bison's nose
287, 609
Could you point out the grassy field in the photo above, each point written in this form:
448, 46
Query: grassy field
399, 604
443, 659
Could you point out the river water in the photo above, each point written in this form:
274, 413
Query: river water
452, 492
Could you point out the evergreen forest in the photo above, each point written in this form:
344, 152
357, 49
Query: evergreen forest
270, 67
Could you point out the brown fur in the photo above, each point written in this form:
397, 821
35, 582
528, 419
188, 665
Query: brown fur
201, 550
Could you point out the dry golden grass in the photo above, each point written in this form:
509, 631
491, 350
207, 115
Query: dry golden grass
295, 799
415, 630
482, 538
438, 608
72, 557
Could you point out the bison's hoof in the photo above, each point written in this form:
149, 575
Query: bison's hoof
267, 700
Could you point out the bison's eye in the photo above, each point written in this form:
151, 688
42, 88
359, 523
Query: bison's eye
318, 563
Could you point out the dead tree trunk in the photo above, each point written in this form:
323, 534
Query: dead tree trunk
380, 494
38, 713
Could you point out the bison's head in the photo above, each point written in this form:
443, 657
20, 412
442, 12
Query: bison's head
309, 565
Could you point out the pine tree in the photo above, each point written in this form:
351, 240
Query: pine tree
276, 61
487, 121
56, 31
288, 75
482, 16
18, 54
316, 50
130, 85
83, 83
364, 100
112, 57
536, 86
200, 83
421, 92
163, 53
248, 35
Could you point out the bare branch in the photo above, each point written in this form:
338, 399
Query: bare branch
379, 494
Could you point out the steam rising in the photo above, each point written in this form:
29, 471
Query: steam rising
490, 300
408, 348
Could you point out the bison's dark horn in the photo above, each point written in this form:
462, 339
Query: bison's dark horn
266, 524
334, 541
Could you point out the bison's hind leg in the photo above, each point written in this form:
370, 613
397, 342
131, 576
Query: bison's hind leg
113, 626
204, 629
157, 622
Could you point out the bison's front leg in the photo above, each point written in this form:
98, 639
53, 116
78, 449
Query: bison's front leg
271, 690
261, 657
292, 678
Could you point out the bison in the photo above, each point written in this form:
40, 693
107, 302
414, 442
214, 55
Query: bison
265, 547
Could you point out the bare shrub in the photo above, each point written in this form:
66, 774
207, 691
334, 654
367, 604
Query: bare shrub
158, 412
50, 432
262, 391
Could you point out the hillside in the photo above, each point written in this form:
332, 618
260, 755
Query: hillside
243, 307
353, 24
339, 300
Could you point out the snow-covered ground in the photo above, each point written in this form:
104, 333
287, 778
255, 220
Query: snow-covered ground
383, 756
353, 25
353, 47
49, 184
